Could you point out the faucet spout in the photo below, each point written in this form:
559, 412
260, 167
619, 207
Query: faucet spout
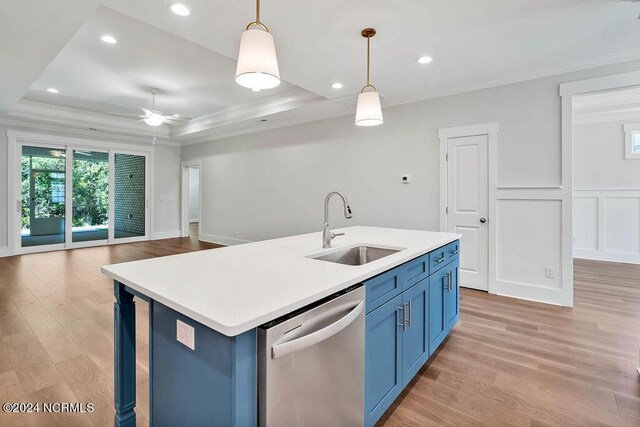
327, 235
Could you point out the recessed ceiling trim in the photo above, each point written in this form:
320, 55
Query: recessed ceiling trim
69, 117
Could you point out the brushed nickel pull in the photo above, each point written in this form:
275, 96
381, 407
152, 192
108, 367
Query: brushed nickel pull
439, 260
404, 327
409, 304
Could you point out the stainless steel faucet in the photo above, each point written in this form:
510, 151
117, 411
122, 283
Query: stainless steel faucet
327, 234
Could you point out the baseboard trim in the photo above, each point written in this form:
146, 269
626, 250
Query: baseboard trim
221, 240
627, 258
159, 235
4, 251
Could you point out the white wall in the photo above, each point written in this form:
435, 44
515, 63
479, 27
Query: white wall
273, 183
194, 194
166, 190
606, 197
598, 158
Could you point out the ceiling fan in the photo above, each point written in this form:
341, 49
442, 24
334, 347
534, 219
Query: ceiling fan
154, 117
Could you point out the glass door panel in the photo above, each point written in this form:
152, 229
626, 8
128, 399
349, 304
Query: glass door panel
90, 182
43, 198
129, 196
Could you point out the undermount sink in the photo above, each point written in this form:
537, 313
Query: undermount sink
356, 255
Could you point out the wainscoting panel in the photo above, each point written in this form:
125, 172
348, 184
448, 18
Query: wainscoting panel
606, 225
529, 243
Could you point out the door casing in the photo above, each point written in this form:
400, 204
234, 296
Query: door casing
16, 139
491, 130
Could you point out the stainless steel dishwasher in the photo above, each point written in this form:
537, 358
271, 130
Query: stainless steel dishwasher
311, 365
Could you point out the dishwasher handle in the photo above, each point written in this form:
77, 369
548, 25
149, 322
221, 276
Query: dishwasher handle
303, 342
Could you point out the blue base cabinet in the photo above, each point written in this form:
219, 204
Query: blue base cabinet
410, 311
438, 284
415, 340
383, 353
452, 296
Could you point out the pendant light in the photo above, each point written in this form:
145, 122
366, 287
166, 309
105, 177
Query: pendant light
369, 111
257, 62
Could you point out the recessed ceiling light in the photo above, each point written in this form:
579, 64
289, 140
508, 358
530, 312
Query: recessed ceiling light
255, 89
180, 9
424, 59
337, 86
53, 90
176, 115
109, 39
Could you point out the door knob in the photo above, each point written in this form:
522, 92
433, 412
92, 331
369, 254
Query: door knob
483, 220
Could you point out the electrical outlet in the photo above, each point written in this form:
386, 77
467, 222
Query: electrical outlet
406, 179
185, 334
548, 272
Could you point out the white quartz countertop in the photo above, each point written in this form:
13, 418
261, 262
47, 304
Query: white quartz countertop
237, 288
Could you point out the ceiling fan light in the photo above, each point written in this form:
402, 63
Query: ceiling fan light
369, 111
154, 120
257, 61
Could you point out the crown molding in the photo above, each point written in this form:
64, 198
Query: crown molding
213, 124
79, 119
89, 134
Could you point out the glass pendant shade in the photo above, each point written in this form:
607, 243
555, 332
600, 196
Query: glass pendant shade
369, 111
257, 61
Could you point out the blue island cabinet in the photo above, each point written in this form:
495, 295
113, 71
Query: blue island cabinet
214, 383
410, 311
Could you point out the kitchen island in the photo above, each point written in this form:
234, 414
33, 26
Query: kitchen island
223, 296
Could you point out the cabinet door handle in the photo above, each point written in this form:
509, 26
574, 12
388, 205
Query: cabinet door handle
450, 274
439, 260
453, 252
409, 305
445, 285
403, 324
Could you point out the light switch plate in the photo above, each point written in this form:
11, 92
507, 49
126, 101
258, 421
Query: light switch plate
185, 334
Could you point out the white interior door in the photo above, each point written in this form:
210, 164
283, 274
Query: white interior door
468, 206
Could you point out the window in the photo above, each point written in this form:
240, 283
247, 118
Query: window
57, 188
632, 141
635, 145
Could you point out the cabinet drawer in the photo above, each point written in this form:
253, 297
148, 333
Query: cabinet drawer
415, 271
437, 259
382, 288
453, 251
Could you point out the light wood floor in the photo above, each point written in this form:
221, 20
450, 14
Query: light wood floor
507, 362
511, 362
56, 330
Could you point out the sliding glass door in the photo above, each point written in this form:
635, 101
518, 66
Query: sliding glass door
75, 196
90, 181
43, 176
129, 196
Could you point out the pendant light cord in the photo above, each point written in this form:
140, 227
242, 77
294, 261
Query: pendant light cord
368, 58
257, 21
369, 67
